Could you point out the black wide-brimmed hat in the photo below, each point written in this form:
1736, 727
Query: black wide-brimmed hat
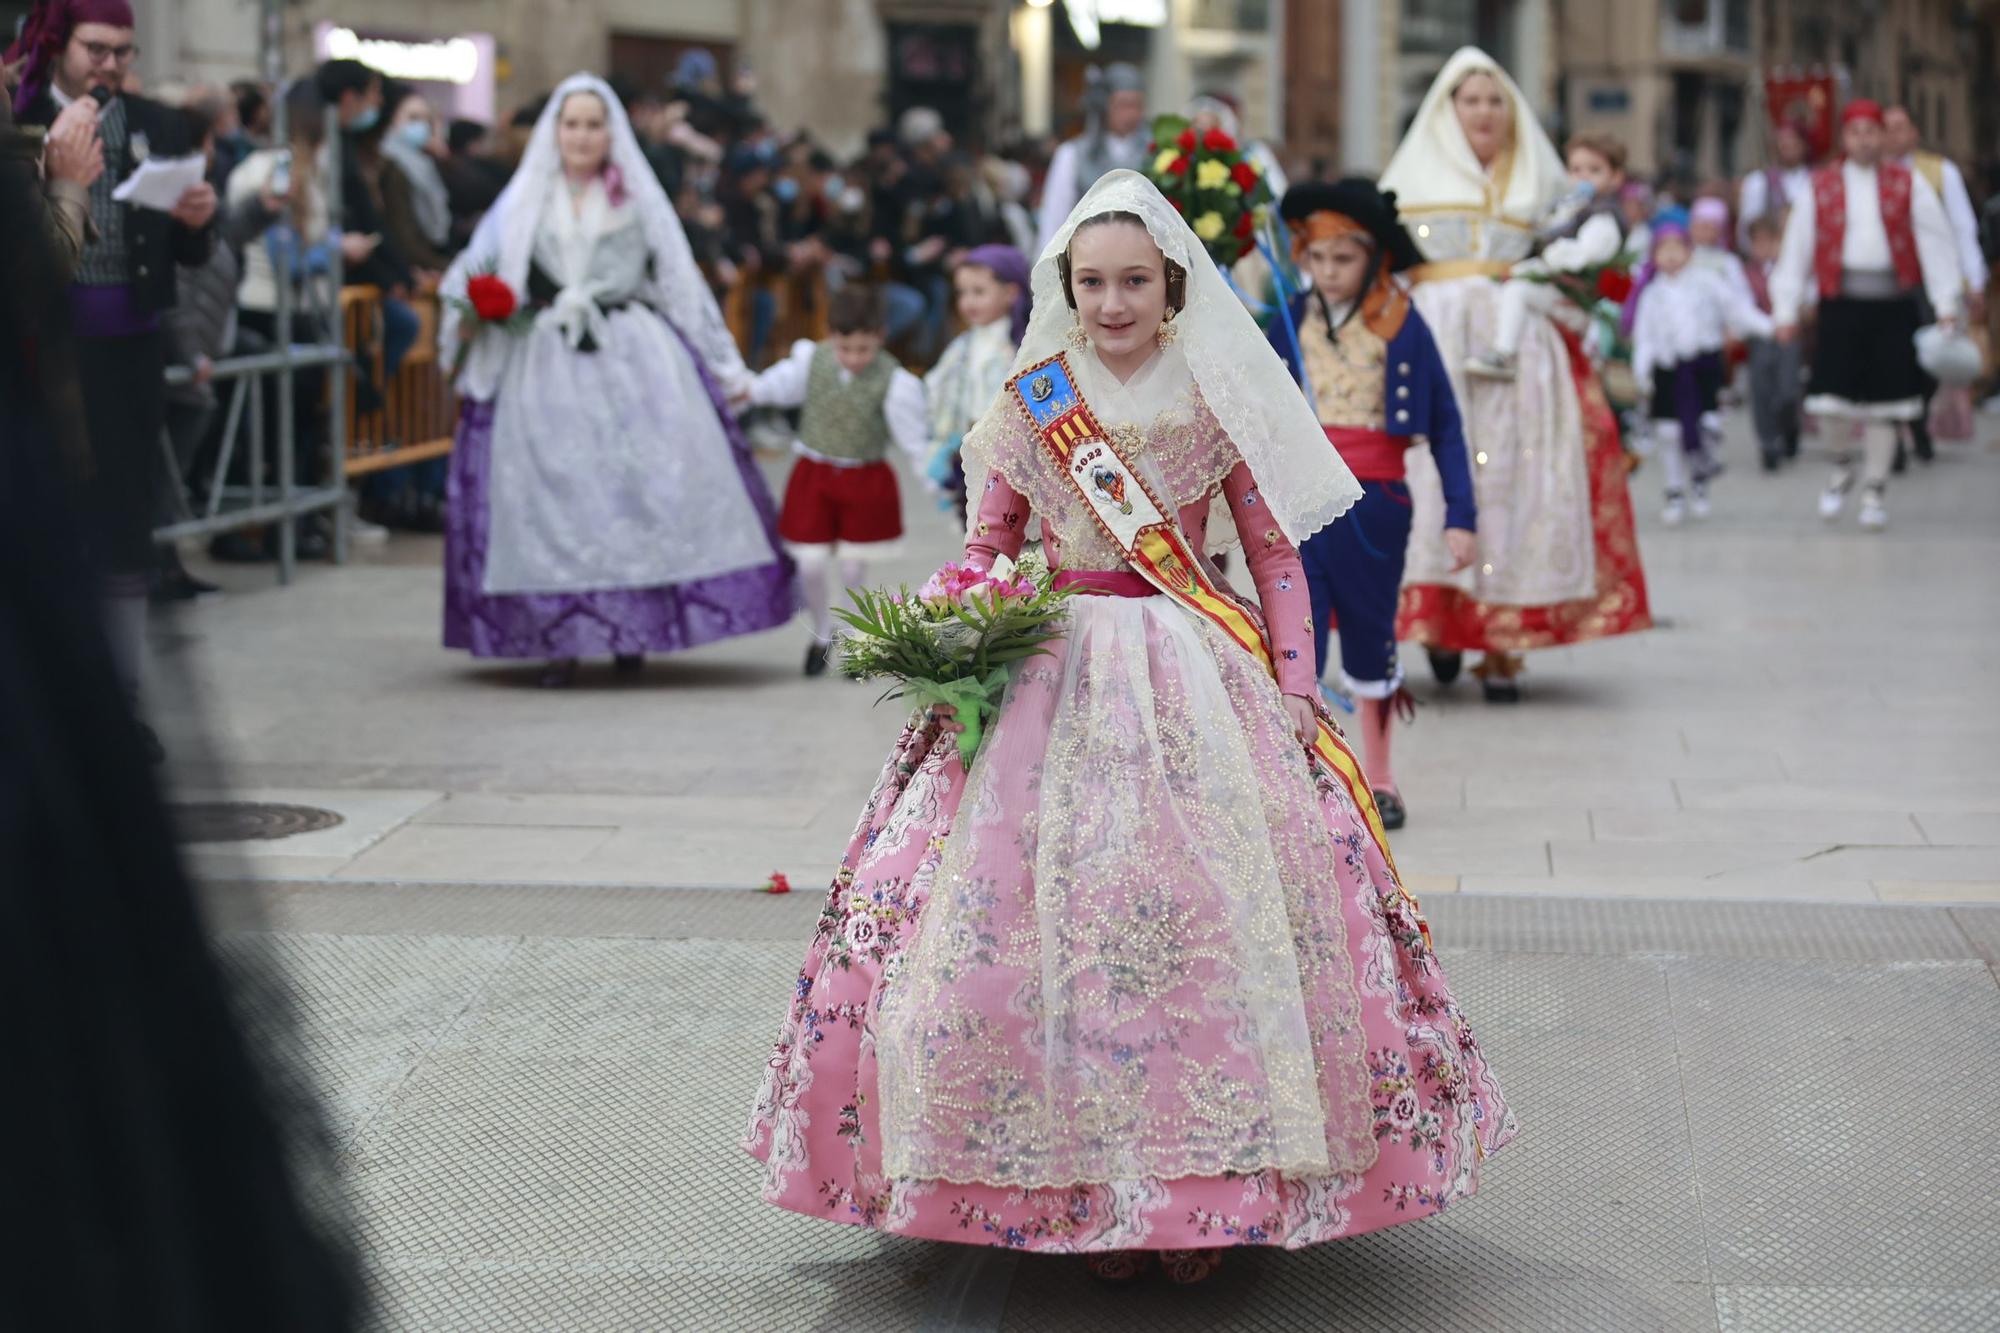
1358, 198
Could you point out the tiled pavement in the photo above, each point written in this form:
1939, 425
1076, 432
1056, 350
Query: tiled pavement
1736, 1117
1813, 722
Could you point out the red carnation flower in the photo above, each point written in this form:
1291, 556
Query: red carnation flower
1215, 141
492, 299
1245, 223
778, 883
1614, 285
1186, 141
1179, 166
1246, 176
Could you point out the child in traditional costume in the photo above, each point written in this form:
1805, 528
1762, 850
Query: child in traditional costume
1377, 382
1144, 979
842, 504
1774, 365
1589, 234
602, 500
991, 284
1683, 315
1873, 237
1709, 232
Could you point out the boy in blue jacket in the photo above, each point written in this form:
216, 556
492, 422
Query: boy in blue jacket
1367, 360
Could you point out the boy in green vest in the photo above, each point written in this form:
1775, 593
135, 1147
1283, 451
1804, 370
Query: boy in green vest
842, 503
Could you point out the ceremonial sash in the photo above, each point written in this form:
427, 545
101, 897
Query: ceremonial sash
1146, 531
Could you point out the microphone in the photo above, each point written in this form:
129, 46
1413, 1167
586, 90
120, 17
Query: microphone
101, 95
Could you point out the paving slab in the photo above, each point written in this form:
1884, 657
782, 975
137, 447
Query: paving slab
1796, 692
1820, 827
1733, 1118
1747, 888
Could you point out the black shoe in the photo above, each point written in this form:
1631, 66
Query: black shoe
629, 664
1445, 666
1393, 813
816, 656
558, 674
315, 538
1500, 689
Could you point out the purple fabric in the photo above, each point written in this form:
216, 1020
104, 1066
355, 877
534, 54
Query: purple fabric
49, 26
1690, 400
1009, 265
599, 624
110, 312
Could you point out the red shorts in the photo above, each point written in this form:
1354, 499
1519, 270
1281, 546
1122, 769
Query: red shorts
849, 506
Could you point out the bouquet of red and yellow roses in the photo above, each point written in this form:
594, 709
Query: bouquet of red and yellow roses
1212, 183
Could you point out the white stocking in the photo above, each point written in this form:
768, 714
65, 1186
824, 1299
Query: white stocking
1672, 454
1878, 453
814, 569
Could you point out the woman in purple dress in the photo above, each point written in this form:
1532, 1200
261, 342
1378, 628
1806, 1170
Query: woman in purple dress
602, 500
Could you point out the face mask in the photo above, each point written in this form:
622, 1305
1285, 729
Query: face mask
415, 133
785, 188
835, 187
366, 120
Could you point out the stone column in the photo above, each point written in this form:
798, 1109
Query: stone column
822, 64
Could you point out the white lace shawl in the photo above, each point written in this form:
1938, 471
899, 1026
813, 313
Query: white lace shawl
505, 240
1239, 382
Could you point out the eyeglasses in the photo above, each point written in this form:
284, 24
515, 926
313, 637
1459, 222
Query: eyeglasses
101, 54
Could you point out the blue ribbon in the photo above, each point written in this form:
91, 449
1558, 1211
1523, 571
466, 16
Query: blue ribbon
1291, 325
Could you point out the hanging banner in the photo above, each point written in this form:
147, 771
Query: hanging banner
1808, 99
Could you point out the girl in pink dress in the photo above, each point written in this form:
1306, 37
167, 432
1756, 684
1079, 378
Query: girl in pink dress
1144, 980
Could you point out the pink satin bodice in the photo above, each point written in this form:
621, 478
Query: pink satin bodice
1001, 526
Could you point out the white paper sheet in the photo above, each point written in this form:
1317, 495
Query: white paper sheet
160, 182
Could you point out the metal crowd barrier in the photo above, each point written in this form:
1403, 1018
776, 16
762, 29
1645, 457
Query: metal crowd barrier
412, 423
284, 503
260, 500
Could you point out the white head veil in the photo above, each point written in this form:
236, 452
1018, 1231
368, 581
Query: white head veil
1435, 166
505, 241
1245, 385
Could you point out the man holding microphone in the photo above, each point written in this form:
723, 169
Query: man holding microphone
74, 56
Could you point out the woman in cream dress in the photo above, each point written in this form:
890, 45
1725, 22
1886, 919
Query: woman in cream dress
1473, 179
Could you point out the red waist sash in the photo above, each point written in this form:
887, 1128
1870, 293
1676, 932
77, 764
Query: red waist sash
1106, 582
1371, 455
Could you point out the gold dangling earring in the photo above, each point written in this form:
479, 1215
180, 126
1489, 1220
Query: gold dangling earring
1165, 335
1076, 337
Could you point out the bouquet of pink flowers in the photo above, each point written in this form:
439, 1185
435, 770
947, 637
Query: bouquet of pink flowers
955, 640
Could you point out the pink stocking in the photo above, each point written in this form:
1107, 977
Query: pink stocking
1377, 716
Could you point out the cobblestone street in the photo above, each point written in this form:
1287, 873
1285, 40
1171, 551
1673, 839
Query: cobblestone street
1723, 900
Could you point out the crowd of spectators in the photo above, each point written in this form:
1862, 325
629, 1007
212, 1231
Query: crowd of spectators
771, 214
758, 202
